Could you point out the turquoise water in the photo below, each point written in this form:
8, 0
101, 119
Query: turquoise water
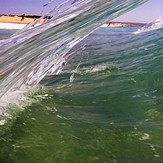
105, 105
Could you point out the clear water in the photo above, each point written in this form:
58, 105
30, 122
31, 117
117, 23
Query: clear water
105, 106
30, 54
103, 103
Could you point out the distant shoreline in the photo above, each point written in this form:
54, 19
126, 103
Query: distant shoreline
128, 24
17, 19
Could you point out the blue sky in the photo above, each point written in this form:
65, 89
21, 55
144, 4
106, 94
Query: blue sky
149, 11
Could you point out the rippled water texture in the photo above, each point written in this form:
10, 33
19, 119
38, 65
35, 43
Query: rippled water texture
102, 102
29, 55
105, 106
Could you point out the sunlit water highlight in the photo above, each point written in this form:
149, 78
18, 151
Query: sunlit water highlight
104, 105
30, 54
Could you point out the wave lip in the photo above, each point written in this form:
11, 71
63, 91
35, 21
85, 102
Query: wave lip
28, 56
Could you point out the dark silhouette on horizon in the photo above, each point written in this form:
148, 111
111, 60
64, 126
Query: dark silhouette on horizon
23, 16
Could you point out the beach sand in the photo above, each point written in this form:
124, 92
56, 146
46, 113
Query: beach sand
15, 19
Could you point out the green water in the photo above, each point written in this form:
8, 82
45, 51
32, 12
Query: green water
40, 135
105, 107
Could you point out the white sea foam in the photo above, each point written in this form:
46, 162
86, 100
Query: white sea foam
17, 98
30, 54
158, 23
11, 26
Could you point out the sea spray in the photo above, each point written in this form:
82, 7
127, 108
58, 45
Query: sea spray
31, 54
111, 111
156, 24
14, 103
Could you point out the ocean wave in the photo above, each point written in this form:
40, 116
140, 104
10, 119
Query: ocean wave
157, 24
29, 55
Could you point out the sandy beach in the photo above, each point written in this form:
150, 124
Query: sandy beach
15, 19
15, 22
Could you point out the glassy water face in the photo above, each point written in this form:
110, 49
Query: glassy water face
31, 53
104, 106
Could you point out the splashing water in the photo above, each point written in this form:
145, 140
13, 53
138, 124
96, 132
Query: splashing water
30, 54
158, 23
101, 102
105, 105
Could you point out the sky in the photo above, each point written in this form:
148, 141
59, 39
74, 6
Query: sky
147, 12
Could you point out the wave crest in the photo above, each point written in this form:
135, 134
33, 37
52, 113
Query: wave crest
156, 24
